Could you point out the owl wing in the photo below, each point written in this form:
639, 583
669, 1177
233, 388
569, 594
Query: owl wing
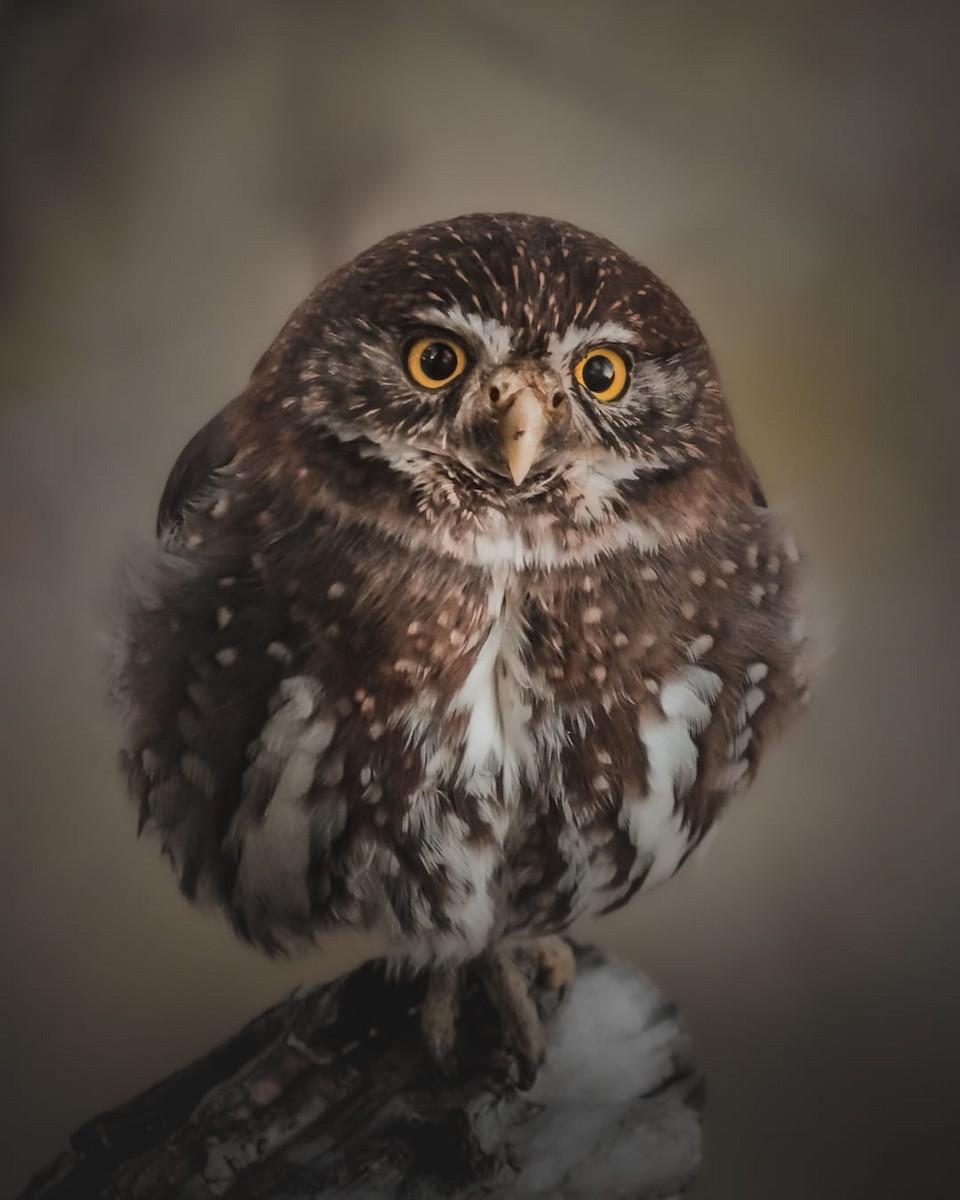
188, 723
224, 730
207, 452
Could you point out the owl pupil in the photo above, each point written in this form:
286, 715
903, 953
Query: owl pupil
438, 361
598, 373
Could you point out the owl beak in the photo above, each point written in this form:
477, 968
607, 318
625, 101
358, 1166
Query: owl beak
522, 428
528, 403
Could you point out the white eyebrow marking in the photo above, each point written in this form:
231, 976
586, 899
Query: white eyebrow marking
561, 346
492, 337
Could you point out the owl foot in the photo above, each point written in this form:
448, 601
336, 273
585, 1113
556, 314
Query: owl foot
508, 986
524, 984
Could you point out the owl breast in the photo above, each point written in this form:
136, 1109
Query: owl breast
498, 753
570, 766
450, 752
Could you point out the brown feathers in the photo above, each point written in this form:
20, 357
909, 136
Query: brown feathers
372, 680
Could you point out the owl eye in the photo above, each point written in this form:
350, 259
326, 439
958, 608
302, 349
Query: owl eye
434, 362
604, 373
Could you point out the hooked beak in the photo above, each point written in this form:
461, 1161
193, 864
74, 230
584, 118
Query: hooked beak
522, 428
527, 406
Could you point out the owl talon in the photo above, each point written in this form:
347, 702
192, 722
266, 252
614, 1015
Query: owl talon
509, 992
508, 978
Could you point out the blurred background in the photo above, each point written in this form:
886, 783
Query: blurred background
174, 177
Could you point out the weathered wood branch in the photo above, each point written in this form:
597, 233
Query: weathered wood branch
329, 1094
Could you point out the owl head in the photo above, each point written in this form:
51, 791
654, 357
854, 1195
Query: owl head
494, 363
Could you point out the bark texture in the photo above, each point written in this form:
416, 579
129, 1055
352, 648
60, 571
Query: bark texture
329, 1094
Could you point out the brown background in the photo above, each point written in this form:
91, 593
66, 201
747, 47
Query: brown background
175, 176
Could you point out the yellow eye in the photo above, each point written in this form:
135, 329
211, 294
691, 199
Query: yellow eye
433, 362
604, 373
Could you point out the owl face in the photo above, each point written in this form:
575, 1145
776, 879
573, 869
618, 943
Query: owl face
505, 353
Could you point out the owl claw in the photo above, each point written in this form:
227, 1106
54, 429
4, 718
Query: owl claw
508, 978
508, 990
526, 987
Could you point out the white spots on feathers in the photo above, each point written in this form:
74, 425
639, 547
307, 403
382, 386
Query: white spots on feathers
227, 656
688, 697
654, 821
699, 647
274, 839
224, 616
732, 776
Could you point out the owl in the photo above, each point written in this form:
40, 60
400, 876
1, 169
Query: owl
466, 617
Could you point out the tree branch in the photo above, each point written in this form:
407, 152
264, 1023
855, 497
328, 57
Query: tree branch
330, 1094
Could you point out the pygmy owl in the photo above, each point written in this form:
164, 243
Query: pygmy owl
466, 617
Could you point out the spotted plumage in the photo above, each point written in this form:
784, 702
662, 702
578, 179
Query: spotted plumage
463, 660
